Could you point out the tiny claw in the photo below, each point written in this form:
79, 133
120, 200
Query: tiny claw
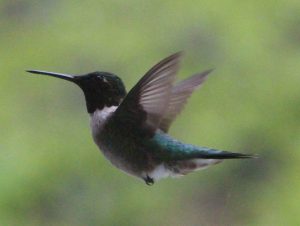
149, 181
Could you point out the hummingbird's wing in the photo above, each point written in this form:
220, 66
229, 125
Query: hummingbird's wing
180, 94
146, 103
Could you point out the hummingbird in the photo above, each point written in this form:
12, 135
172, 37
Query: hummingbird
131, 129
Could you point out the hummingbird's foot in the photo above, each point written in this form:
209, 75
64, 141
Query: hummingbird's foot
148, 180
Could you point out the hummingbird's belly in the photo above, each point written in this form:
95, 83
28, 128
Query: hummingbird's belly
154, 171
121, 160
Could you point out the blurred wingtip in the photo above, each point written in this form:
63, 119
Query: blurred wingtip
177, 55
208, 71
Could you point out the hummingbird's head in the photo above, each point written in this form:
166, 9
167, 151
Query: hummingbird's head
101, 89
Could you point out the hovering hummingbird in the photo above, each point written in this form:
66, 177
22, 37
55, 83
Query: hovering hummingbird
131, 129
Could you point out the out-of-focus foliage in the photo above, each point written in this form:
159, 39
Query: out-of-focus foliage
51, 173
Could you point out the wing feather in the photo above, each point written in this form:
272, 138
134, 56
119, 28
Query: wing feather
147, 101
180, 94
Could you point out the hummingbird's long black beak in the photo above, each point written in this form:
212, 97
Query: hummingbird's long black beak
57, 75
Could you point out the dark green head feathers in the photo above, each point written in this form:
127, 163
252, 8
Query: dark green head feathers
101, 89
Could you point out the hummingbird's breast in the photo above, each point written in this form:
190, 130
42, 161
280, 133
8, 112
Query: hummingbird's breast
99, 118
117, 143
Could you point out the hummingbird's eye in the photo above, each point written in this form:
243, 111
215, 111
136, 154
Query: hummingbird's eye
101, 77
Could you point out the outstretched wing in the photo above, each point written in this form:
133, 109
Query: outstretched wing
180, 94
147, 102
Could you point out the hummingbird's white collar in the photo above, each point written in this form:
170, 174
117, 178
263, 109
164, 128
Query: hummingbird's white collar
99, 117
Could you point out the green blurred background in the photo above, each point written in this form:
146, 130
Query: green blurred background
51, 173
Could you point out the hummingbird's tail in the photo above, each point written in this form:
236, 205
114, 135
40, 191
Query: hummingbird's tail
207, 153
197, 158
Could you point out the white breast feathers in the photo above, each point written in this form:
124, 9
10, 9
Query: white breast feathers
99, 117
